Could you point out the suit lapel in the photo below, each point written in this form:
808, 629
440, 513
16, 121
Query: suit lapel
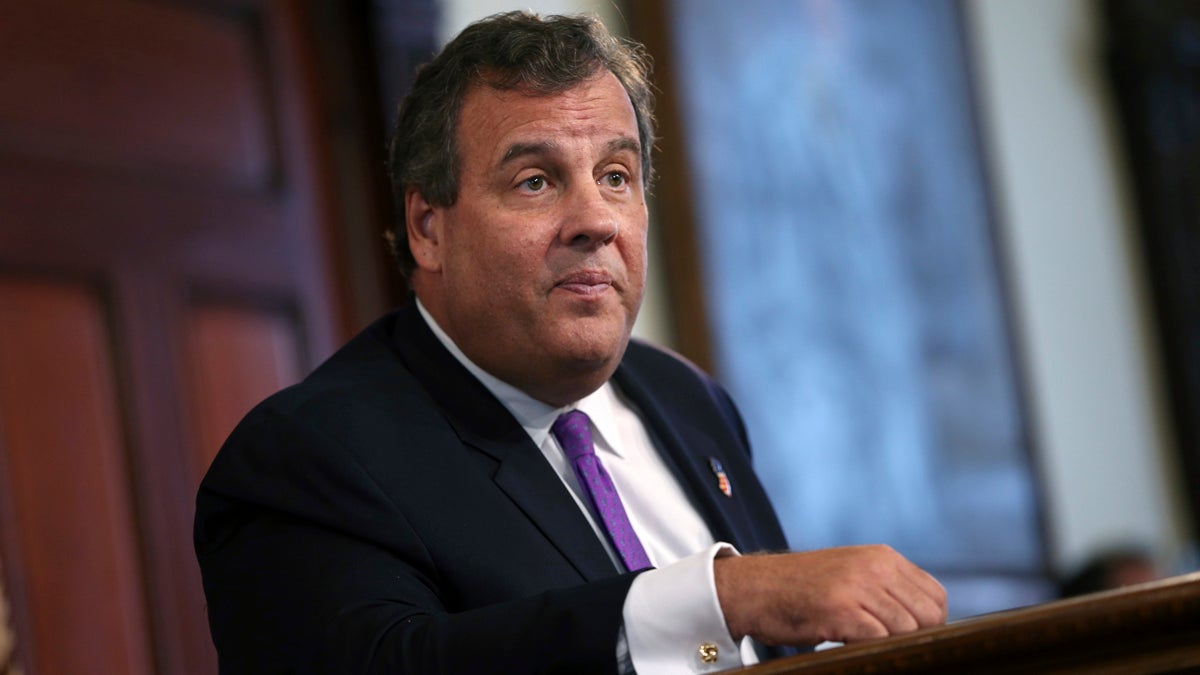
688, 450
484, 424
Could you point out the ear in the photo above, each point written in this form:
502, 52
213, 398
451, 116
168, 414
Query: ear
424, 222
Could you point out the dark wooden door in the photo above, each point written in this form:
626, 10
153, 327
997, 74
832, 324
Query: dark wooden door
168, 255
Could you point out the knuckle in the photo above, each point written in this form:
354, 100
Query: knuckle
863, 630
931, 613
907, 624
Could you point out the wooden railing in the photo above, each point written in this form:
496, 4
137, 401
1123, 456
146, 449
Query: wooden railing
1152, 628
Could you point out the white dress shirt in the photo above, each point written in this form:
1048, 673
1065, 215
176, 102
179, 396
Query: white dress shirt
672, 610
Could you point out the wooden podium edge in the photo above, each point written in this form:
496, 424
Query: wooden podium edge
1149, 628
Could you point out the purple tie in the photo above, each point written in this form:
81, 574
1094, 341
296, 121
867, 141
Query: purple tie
573, 434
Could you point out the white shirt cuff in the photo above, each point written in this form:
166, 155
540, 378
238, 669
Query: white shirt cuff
674, 624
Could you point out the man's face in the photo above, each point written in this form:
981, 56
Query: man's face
537, 270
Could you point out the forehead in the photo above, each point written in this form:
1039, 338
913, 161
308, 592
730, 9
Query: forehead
491, 120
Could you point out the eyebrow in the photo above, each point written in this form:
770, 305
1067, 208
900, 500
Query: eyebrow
625, 143
517, 150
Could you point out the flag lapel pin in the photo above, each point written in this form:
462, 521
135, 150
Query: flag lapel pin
722, 479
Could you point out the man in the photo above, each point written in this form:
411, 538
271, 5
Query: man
431, 500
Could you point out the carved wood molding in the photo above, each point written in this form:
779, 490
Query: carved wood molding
1152, 628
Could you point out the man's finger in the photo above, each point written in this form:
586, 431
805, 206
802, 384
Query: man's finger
894, 614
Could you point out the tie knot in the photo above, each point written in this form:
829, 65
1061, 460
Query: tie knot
573, 434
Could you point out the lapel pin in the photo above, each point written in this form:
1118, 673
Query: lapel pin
722, 479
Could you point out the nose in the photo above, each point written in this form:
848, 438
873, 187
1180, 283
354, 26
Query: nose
590, 220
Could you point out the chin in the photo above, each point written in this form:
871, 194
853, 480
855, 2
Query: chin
581, 356
595, 340
575, 368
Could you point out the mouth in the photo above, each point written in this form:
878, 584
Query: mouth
585, 283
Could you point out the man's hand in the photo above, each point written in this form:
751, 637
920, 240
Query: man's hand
840, 594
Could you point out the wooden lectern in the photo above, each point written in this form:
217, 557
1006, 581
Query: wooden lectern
1151, 628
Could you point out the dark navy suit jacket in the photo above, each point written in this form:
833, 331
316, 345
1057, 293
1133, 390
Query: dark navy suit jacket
388, 515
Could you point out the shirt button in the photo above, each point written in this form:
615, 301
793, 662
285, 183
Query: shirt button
708, 652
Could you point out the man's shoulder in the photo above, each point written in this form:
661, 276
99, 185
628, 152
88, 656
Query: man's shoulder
363, 384
362, 365
657, 363
649, 371
361, 402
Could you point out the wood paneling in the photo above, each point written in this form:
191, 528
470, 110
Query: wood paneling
236, 357
68, 483
100, 83
172, 249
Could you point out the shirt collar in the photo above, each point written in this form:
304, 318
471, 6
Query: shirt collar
533, 415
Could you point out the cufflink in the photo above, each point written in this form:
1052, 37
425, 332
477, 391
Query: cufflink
708, 652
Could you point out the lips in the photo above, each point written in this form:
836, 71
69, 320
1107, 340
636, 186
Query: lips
585, 282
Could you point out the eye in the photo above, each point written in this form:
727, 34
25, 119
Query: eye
615, 179
534, 183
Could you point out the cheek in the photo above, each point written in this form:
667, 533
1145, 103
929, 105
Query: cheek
503, 264
474, 244
634, 252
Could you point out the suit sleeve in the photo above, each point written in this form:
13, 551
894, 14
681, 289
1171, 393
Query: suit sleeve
309, 567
